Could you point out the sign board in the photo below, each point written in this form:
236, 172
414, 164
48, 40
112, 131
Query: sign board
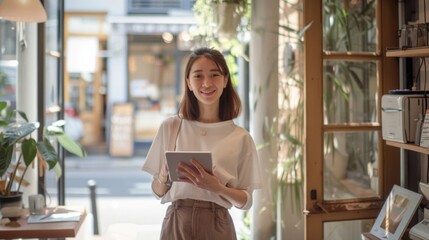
121, 131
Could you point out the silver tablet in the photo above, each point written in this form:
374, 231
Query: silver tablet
175, 157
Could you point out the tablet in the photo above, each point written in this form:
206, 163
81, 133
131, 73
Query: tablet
175, 157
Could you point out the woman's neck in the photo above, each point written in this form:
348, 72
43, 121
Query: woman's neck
208, 120
209, 115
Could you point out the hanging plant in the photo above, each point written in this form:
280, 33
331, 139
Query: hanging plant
224, 25
221, 20
227, 17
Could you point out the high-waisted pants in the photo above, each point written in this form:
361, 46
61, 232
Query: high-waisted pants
189, 219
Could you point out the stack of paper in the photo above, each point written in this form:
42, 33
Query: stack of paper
70, 216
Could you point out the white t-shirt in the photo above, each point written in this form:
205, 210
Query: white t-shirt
234, 156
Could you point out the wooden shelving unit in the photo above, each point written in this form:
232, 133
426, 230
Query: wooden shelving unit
408, 146
411, 52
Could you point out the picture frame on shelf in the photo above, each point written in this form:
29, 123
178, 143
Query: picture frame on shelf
394, 217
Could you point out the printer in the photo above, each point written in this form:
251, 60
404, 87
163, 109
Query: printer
399, 115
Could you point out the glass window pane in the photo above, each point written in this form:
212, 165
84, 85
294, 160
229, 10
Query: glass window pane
152, 84
349, 25
86, 24
52, 55
350, 165
346, 229
8, 61
350, 92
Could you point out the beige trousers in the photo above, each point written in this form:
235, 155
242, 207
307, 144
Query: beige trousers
189, 219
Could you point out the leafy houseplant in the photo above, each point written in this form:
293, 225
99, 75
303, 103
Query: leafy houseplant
223, 24
221, 18
18, 148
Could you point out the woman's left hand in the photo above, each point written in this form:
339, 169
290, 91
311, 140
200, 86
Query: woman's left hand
197, 175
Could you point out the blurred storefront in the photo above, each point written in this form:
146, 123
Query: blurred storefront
123, 52
8, 62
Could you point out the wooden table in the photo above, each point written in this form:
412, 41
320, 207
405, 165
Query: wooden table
43, 230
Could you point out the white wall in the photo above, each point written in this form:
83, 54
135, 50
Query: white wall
26, 93
263, 68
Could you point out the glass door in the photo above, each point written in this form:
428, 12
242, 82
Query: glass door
344, 146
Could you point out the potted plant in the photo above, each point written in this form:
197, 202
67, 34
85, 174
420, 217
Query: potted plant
220, 18
18, 149
227, 16
225, 25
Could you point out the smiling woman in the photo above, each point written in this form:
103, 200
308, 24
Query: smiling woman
206, 116
206, 81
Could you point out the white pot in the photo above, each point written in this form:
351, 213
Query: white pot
337, 164
227, 17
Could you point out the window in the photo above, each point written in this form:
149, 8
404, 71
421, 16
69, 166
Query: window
345, 77
8, 61
350, 89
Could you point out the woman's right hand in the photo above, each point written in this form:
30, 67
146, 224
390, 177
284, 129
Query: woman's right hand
164, 174
162, 184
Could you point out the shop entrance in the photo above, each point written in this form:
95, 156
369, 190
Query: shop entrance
84, 81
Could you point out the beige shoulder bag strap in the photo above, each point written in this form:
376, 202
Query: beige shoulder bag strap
174, 133
177, 122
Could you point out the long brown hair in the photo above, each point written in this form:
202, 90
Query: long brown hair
229, 102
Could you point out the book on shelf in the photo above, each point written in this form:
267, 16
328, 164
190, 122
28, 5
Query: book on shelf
424, 137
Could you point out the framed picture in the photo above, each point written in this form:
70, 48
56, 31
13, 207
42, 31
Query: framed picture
397, 211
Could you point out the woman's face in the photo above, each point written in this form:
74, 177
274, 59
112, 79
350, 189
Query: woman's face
206, 81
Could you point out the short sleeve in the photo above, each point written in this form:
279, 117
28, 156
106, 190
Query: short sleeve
249, 168
155, 156
249, 172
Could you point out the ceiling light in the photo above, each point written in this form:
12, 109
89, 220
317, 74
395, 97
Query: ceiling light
23, 11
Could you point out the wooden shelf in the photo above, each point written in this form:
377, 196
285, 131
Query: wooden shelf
411, 52
409, 146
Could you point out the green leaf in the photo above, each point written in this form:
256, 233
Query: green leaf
5, 158
8, 114
302, 31
1, 138
29, 150
3, 105
57, 170
14, 133
70, 145
48, 152
53, 130
59, 123
23, 115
